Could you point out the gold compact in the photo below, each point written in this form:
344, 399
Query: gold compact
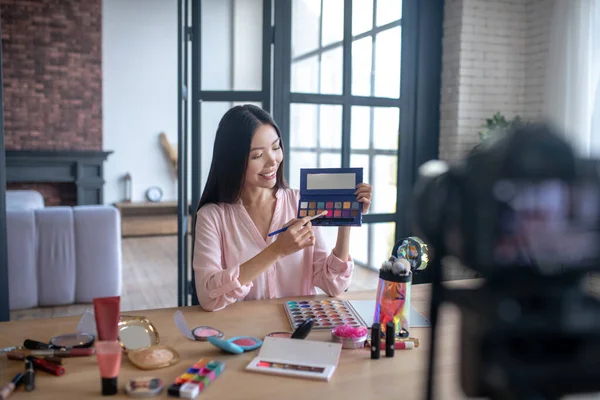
136, 333
153, 357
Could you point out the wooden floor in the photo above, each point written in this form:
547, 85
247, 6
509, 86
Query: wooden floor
150, 279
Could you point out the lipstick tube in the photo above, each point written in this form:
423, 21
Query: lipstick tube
46, 366
390, 338
29, 376
398, 345
375, 340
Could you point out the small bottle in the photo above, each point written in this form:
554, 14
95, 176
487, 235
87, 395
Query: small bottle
375, 340
390, 339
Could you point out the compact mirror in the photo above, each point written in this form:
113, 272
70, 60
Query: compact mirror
136, 333
71, 341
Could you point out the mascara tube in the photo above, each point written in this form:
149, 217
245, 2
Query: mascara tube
7, 389
390, 339
29, 375
375, 340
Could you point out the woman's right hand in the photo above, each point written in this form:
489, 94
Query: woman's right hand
298, 236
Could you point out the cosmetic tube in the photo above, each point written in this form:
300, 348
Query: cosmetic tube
375, 341
390, 338
46, 366
29, 376
106, 312
108, 354
20, 356
398, 345
7, 389
63, 352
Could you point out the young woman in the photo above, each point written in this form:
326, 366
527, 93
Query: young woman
245, 198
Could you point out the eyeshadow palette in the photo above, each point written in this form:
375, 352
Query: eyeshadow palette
326, 314
297, 358
331, 190
196, 379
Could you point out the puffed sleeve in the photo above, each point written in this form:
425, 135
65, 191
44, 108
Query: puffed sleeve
217, 285
330, 273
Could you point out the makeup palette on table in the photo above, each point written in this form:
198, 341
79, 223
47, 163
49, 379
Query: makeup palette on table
297, 358
331, 190
325, 313
328, 314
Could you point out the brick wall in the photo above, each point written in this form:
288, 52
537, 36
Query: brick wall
539, 16
54, 194
52, 74
493, 60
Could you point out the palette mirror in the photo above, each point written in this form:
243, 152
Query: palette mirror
136, 333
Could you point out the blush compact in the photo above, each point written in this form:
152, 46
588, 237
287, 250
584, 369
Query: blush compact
237, 344
200, 333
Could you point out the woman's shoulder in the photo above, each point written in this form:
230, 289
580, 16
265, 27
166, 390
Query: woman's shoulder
213, 210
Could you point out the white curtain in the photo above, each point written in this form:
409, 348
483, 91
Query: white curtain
572, 94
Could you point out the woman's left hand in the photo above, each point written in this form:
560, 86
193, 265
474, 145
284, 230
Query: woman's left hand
364, 193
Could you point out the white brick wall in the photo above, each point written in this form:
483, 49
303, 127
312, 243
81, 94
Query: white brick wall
539, 16
493, 58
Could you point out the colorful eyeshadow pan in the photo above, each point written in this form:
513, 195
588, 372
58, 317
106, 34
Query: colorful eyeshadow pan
189, 385
331, 190
325, 314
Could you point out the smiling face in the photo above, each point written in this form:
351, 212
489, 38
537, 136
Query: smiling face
264, 159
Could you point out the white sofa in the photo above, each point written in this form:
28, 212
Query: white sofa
61, 255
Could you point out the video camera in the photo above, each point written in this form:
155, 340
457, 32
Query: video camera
523, 211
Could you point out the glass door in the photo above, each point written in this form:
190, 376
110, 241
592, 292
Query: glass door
340, 91
230, 65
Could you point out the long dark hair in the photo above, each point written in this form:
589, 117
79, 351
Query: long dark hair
231, 153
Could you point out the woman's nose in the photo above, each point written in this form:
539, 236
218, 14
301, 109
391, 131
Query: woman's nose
271, 160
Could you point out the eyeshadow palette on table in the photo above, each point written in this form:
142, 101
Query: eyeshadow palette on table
325, 313
328, 314
331, 190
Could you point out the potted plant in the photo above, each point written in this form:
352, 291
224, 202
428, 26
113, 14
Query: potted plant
497, 124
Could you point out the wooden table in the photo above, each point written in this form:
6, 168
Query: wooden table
357, 376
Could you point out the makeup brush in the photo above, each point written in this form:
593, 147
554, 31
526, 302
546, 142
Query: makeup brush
323, 213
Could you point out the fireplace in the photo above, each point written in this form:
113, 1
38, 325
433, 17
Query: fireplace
62, 177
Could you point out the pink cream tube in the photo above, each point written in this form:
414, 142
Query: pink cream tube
106, 312
108, 354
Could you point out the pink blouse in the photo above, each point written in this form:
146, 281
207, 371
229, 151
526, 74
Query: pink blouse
226, 237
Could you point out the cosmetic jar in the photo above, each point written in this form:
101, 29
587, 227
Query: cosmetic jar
350, 337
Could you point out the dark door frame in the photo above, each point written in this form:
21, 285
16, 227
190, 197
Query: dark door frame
4, 299
197, 97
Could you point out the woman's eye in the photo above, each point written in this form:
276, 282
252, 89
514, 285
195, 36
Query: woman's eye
257, 156
277, 147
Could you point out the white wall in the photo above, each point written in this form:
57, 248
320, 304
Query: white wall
140, 83
139, 94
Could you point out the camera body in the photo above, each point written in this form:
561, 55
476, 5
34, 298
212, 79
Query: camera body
523, 211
